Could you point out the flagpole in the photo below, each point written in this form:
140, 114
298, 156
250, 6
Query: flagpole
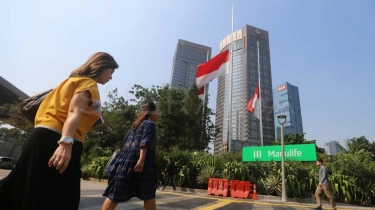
260, 100
229, 141
205, 87
204, 94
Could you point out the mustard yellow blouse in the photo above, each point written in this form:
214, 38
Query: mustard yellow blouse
53, 111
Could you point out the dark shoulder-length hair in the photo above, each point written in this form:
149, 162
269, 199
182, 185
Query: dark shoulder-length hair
95, 65
144, 114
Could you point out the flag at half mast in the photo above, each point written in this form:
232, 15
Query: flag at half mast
254, 103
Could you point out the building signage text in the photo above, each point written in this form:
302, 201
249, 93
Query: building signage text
299, 152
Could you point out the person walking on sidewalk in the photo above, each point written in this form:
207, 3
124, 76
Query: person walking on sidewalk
170, 173
323, 185
133, 172
47, 174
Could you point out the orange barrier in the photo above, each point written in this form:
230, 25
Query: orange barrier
210, 186
255, 195
240, 189
217, 187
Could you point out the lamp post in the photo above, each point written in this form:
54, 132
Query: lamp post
282, 120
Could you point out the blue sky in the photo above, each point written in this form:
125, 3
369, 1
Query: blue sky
326, 48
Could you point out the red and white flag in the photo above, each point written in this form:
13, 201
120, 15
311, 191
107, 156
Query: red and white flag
254, 105
213, 68
201, 93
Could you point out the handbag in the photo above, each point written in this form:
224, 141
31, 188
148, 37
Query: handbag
30, 106
112, 161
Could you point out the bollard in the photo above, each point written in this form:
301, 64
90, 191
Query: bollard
255, 196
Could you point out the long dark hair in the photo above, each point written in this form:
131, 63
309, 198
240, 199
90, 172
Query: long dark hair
144, 114
95, 65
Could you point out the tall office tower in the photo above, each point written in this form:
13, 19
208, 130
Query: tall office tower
245, 126
187, 57
286, 102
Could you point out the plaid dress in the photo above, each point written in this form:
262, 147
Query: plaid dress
123, 182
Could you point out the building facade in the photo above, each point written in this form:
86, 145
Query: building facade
286, 101
9, 93
245, 127
333, 148
187, 57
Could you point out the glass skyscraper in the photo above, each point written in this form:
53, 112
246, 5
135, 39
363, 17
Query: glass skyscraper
187, 57
287, 102
244, 125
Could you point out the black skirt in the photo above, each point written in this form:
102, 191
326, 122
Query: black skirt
32, 185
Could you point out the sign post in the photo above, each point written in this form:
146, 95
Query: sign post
297, 152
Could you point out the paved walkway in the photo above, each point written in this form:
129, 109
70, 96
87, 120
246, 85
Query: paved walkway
187, 199
166, 200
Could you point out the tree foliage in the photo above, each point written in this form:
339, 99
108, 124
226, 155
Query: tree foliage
298, 139
360, 144
118, 117
11, 115
184, 122
295, 139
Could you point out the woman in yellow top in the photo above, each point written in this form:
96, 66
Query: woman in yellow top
48, 171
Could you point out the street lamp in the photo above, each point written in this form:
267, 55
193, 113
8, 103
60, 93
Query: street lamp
282, 120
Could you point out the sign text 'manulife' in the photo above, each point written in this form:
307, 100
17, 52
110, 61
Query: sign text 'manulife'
273, 153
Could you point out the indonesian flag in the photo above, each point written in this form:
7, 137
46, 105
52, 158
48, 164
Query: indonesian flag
254, 105
213, 68
201, 93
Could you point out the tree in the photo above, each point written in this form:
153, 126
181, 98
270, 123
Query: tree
12, 115
298, 139
197, 119
295, 139
144, 95
182, 122
118, 117
360, 144
170, 119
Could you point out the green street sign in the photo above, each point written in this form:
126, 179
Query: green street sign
298, 152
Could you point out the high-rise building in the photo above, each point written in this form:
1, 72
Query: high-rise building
333, 147
286, 102
187, 57
245, 126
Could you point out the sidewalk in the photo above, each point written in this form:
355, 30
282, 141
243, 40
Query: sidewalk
263, 199
91, 196
270, 199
